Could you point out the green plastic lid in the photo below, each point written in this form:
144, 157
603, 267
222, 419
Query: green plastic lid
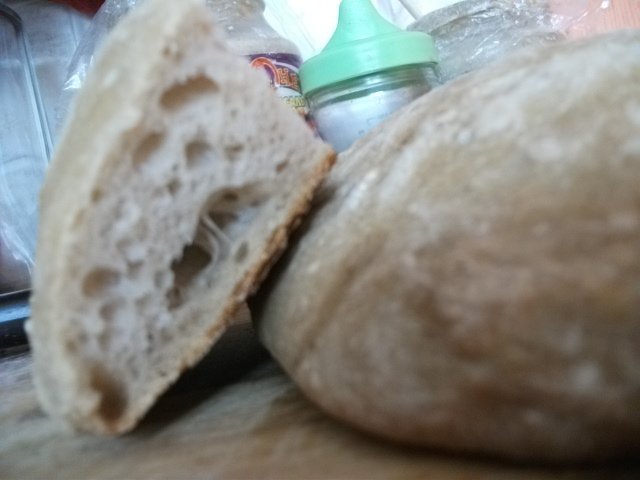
364, 43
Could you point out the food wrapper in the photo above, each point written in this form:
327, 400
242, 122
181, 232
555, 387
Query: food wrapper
470, 34
103, 21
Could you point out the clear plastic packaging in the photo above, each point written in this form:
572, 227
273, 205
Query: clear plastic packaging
246, 28
24, 150
248, 32
54, 32
473, 33
470, 34
103, 21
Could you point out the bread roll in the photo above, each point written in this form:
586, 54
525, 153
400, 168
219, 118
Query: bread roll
470, 277
175, 185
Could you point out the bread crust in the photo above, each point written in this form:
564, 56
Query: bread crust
468, 279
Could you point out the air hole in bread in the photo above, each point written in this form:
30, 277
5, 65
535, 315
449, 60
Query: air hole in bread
242, 252
233, 151
225, 216
113, 398
96, 195
143, 303
174, 187
182, 95
232, 209
71, 346
80, 217
99, 281
282, 166
161, 280
230, 197
134, 269
109, 310
146, 149
104, 339
198, 154
193, 261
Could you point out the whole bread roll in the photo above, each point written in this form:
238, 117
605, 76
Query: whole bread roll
174, 187
470, 277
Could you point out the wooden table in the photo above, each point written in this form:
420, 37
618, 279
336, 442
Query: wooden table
235, 416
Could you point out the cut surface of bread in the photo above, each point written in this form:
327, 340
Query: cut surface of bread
176, 183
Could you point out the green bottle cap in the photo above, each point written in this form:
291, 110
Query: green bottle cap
364, 43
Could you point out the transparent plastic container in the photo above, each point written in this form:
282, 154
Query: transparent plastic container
25, 147
37, 38
53, 31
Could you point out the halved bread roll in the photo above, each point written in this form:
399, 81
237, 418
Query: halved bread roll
176, 183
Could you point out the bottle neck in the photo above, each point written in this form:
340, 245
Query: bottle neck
421, 78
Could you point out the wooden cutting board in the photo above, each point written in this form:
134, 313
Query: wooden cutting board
598, 16
235, 416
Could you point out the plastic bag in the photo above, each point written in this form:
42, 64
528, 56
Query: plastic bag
306, 24
278, 12
24, 148
106, 18
470, 34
